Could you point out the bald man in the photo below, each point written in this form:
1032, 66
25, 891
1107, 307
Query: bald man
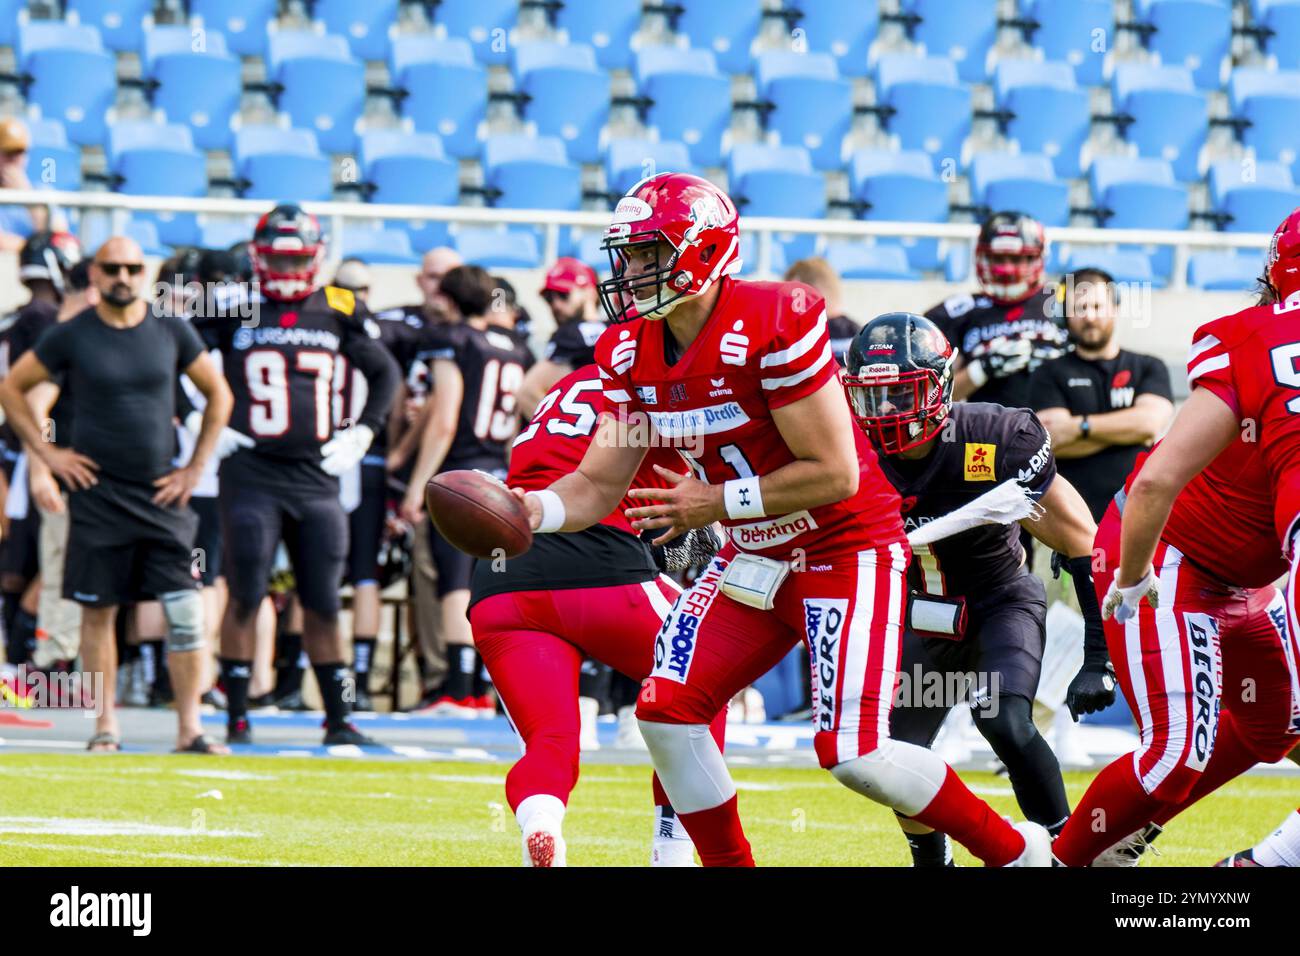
131, 532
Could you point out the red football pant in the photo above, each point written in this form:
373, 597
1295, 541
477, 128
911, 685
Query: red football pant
533, 644
1209, 676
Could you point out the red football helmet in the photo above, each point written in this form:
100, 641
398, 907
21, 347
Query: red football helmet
567, 274
1009, 257
287, 252
697, 222
1283, 268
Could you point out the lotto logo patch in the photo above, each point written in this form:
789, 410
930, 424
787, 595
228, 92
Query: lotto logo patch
675, 642
979, 461
823, 621
1206, 675
341, 299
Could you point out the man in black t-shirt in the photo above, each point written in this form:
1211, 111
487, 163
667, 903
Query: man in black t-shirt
1102, 405
974, 608
1013, 324
131, 533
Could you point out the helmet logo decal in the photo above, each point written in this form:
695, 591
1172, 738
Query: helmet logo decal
631, 209
705, 214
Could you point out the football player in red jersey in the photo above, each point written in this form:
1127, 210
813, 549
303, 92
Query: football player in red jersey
1209, 667
595, 592
740, 378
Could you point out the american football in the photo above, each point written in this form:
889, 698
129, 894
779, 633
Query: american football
478, 514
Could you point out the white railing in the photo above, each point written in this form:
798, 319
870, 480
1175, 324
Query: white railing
119, 206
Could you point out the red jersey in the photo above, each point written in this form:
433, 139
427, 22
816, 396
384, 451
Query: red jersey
1251, 360
765, 346
553, 443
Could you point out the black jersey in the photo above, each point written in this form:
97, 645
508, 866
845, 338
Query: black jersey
18, 333
400, 332
574, 344
983, 446
492, 364
284, 374
972, 322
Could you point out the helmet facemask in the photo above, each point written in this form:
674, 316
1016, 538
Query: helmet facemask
649, 294
286, 274
898, 409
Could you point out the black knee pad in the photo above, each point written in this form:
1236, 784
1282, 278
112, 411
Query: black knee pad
1010, 725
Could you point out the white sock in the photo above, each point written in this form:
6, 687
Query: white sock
669, 827
1282, 846
543, 803
671, 845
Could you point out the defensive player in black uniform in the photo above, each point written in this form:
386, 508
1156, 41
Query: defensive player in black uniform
282, 372
43, 265
974, 607
1013, 325
468, 422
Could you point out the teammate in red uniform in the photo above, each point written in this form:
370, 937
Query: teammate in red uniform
1208, 668
594, 592
739, 376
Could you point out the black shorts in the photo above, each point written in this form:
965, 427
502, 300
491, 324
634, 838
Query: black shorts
315, 532
366, 526
1004, 639
208, 540
20, 554
122, 547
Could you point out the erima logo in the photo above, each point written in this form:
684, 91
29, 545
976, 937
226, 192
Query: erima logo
719, 388
74, 909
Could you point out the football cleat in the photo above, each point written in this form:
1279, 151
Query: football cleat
449, 707
290, 701
1241, 858
1038, 845
239, 731
348, 734
672, 853
1128, 851
542, 843
588, 713
486, 706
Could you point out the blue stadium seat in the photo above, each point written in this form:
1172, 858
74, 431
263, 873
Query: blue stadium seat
487, 25
1024, 182
628, 161
691, 99
411, 168
378, 246
814, 106
1077, 31
901, 187
494, 248
607, 25
365, 25
587, 248
199, 89
933, 107
1270, 99
1140, 193
74, 77
282, 164
145, 232
570, 94
531, 172
1223, 271
447, 92
956, 265
1170, 119
12, 13
121, 23
843, 28
778, 258
1195, 34
778, 181
1283, 18
857, 260
156, 159
962, 30
51, 161
726, 27
242, 21
1125, 266
324, 85
224, 233
1052, 115
1258, 196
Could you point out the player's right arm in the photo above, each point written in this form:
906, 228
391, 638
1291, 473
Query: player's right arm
75, 469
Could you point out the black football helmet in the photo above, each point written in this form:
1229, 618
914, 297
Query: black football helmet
1009, 257
49, 256
287, 252
898, 378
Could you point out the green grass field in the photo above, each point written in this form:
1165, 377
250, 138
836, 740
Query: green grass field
75, 810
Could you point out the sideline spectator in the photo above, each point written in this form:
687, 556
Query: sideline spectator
817, 272
17, 222
569, 291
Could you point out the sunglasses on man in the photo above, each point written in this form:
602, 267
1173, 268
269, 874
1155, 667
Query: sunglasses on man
115, 268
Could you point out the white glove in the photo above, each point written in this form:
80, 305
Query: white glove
345, 449
1007, 356
1122, 603
228, 442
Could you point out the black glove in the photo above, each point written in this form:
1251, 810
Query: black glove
689, 549
1093, 688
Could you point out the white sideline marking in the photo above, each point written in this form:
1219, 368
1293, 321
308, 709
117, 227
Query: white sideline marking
146, 854
76, 826
226, 774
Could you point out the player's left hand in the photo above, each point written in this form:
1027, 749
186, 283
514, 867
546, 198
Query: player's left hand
175, 487
1122, 603
345, 449
1092, 690
687, 503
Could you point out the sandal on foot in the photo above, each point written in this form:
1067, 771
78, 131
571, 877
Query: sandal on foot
104, 742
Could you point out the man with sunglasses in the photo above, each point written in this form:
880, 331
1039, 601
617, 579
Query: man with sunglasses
17, 222
974, 607
569, 291
131, 531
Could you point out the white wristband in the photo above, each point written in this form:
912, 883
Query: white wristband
742, 498
977, 373
552, 511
